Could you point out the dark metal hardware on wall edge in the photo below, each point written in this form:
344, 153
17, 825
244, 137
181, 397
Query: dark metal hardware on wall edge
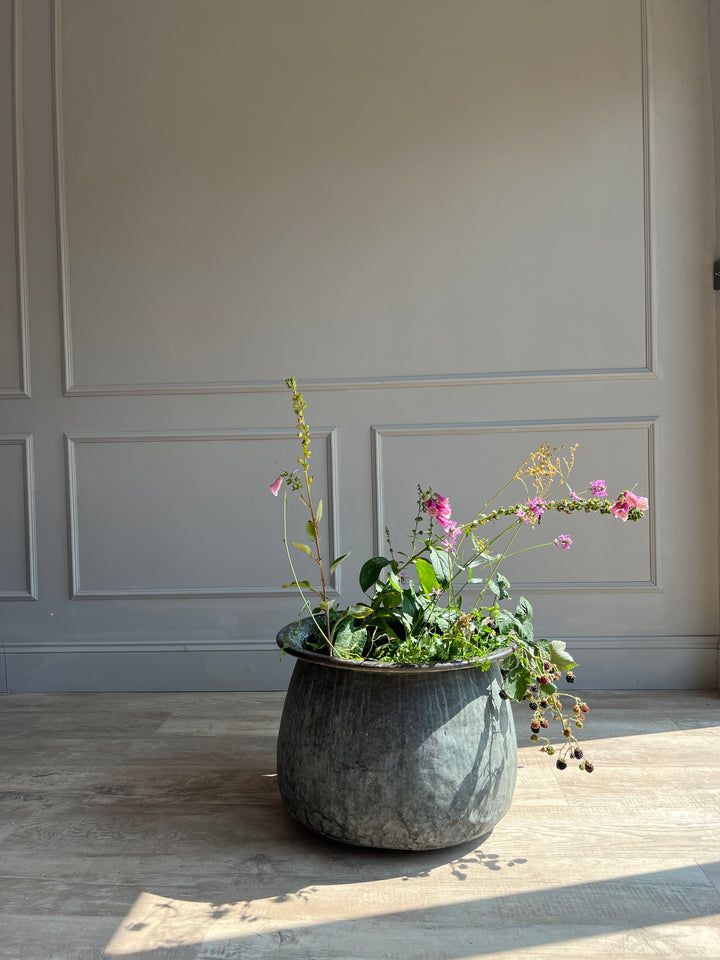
716, 275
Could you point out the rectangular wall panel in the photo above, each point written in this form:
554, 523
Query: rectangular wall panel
14, 360
397, 165
187, 515
470, 463
18, 563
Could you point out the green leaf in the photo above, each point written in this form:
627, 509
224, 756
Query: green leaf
494, 588
336, 563
305, 584
559, 657
348, 638
370, 572
318, 512
310, 529
524, 610
504, 585
426, 575
359, 610
517, 683
548, 689
303, 548
325, 604
442, 566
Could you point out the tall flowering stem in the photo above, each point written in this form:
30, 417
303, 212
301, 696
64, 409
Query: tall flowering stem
313, 524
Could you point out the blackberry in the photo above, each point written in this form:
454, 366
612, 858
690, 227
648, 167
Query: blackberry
503, 695
533, 705
535, 726
566, 731
544, 724
588, 767
560, 764
533, 688
578, 754
547, 666
544, 704
570, 677
544, 680
585, 708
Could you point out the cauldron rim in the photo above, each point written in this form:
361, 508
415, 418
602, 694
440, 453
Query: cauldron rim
290, 638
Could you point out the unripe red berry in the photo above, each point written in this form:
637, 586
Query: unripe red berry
535, 726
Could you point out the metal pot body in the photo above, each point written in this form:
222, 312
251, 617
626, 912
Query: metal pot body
394, 757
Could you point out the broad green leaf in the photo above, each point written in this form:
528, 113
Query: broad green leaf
442, 566
506, 622
336, 563
517, 683
426, 576
370, 571
559, 657
348, 638
318, 512
548, 689
310, 529
359, 610
305, 584
494, 588
504, 585
303, 548
524, 610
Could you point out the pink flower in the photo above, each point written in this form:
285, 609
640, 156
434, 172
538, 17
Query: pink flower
639, 503
563, 541
532, 510
453, 531
597, 488
439, 508
275, 487
626, 502
620, 508
574, 496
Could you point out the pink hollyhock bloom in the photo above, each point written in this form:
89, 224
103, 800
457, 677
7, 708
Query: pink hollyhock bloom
563, 541
597, 488
439, 508
453, 531
626, 502
621, 508
275, 487
639, 503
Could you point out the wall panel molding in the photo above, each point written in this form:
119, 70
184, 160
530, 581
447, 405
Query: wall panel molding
648, 424
23, 390
73, 388
78, 592
25, 440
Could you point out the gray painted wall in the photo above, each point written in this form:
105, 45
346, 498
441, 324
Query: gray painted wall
466, 227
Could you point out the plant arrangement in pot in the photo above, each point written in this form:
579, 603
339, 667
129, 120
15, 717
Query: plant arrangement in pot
397, 730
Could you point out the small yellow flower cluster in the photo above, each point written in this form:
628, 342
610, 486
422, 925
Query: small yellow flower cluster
546, 466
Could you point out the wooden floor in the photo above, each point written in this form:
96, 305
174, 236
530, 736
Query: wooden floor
149, 826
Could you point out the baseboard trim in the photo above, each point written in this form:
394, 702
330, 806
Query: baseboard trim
606, 663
